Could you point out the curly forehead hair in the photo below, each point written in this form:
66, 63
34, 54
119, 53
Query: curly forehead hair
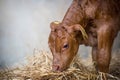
60, 32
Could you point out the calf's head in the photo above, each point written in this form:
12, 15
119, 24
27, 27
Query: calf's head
64, 43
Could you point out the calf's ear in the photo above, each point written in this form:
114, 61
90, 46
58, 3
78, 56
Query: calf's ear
53, 25
75, 28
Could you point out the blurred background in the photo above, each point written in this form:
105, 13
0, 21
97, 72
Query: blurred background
24, 26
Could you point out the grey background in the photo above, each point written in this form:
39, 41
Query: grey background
24, 26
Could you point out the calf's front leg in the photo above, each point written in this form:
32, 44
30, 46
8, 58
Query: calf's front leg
94, 57
105, 41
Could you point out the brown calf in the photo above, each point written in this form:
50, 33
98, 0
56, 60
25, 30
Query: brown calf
101, 21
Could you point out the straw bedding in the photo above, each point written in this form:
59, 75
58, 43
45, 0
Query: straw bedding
39, 68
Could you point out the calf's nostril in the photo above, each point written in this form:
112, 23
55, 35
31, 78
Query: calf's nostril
55, 67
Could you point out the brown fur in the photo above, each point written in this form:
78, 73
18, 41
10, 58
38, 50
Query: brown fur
100, 19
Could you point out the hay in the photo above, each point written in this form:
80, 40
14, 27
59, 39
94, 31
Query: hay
39, 68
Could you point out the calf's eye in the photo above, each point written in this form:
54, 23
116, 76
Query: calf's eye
65, 46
